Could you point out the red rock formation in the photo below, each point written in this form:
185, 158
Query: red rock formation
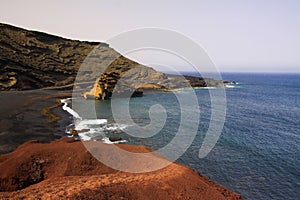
64, 169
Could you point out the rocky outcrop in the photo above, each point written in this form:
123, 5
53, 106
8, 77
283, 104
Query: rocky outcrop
64, 169
8, 80
129, 82
140, 78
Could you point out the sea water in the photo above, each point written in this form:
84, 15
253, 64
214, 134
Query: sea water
258, 152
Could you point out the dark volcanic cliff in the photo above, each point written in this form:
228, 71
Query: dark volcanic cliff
34, 60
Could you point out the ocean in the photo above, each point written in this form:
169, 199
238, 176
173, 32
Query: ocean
258, 152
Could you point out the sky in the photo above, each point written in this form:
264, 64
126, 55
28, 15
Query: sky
238, 35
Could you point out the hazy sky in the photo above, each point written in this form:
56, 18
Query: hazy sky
239, 35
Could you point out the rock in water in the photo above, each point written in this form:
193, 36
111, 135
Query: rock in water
114, 139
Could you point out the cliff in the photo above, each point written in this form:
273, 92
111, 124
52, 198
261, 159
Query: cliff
35, 60
64, 169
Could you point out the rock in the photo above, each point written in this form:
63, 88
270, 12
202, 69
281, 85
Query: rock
7, 81
230, 83
83, 130
73, 132
152, 86
137, 93
114, 139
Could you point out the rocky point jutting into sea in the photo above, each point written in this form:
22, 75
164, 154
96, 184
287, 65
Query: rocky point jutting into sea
47, 65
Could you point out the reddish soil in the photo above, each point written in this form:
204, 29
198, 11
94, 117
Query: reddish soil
64, 169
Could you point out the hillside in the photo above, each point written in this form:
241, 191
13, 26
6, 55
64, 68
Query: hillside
35, 60
64, 169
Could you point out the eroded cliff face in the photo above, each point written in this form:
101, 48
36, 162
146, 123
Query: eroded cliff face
35, 60
125, 78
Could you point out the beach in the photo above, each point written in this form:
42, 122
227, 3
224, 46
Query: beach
23, 117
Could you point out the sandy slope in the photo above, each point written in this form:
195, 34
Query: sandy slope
64, 169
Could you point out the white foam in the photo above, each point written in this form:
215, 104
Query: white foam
205, 88
84, 137
94, 127
116, 127
232, 85
68, 109
229, 86
86, 123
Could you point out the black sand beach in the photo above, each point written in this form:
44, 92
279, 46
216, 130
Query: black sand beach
22, 117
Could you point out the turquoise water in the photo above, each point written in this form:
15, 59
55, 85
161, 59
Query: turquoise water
258, 153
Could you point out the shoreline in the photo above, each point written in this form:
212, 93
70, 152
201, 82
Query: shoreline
53, 122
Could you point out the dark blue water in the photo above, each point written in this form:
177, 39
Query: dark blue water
258, 153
